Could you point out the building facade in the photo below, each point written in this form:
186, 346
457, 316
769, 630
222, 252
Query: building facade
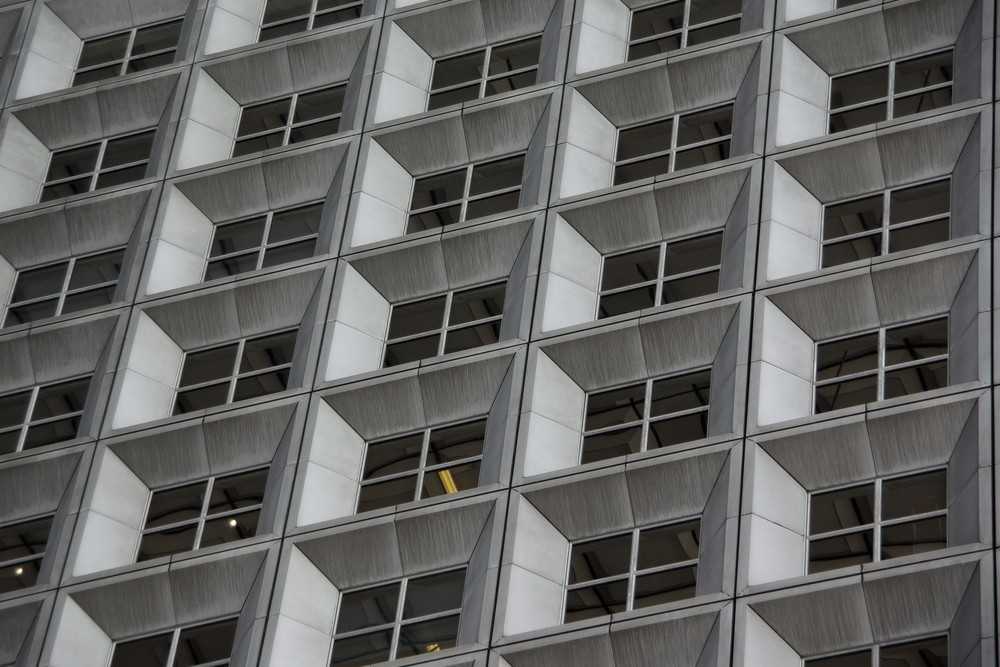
498, 333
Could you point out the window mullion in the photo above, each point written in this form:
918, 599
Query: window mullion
880, 381
633, 563
466, 189
891, 93
487, 55
264, 239
661, 273
646, 410
236, 371
99, 165
442, 339
399, 618
27, 420
877, 521
422, 470
174, 641
686, 23
291, 115
209, 486
61, 299
674, 133
886, 213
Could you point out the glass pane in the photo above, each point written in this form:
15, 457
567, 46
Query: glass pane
496, 175
915, 654
386, 494
458, 69
8, 441
935, 99
713, 32
608, 445
635, 171
509, 83
200, 399
332, 18
323, 128
268, 351
261, 117
916, 341
366, 649
149, 62
705, 125
157, 37
635, 142
668, 545
515, 56
427, 637
279, 10
703, 11
213, 364
663, 587
283, 29
103, 50
864, 247
677, 430
595, 601
292, 252
24, 539
411, 350
480, 208
924, 71
477, 303
848, 120
857, 659
630, 268
236, 236
146, 652
455, 96
50, 192
438, 189
100, 74
846, 356
691, 287
231, 267
845, 394
261, 385
434, 594
657, 20
35, 283
166, 542
680, 392
915, 537
920, 201
451, 480
416, 317
60, 399
916, 379
692, 254
126, 150
434, 219
97, 269
245, 489
654, 47
295, 223
914, 494
205, 643
850, 89
454, 443
183, 503
367, 608
258, 144
73, 162
229, 529
51, 432
597, 559
389, 457
110, 179
626, 302
843, 508
697, 157
14, 408
31, 313
852, 217
832, 553
615, 406
471, 337
916, 236
18, 577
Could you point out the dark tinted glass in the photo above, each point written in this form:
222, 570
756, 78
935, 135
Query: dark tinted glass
14, 409
635, 171
454, 443
289, 253
386, 494
416, 317
245, 489
931, 652
477, 303
677, 430
434, 219
924, 71
205, 643
262, 117
258, 144
856, 659
99, 74
703, 11
712, 32
597, 559
35, 283
497, 175
453, 96
157, 37
692, 254
60, 399
438, 189
914, 494
848, 120
411, 350
915, 379
67, 189
389, 457
19, 576
690, 287
609, 444
434, 594
145, 652
630, 268
110, 179
655, 137
51, 432
519, 55
863, 247
231, 266
368, 608
467, 338
458, 69
236, 236
832, 553
917, 236
352, 11
911, 104
229, 529
97, 269
279, 10
183, 503
366, 649
103, 50
200, 399
657, 20
843, 508
8, 441
427, 637
268, 351
668, 545
916, 341
849, 355
24, 539
852, 217
654, 47
451, 480
260, 385
509, 83
627, 301
705, 125
213, 364
480, 208
125, 150
850, 89
914, 537
680, 392
615, 406
311, 131
31, 313
696, 157
595, 601
73, 162
320, 103
920, 201
149, 62
663, 587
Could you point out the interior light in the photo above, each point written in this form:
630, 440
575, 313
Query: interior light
232, 523
447, 481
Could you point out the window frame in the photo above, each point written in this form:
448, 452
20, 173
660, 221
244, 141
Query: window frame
175, 634
98, 170
309, 17
28, 422
290, 125
485, 78
125, 61
875, 649
65, 290
683, 32
39, 556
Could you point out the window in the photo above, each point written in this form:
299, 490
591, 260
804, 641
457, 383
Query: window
128, 51
205, 645
197, 515
451, 322
498, 68
879, 520
848, 3
412, 616
879, 224
646, 415
263, 241
466, 193
289, 120
674, 143
633, 570
98, 165
894, 90
287, 17
669, 26
887, 363
42, 415
668, 272
64, 287
932, 652
22, 547
424, 464
248, 368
